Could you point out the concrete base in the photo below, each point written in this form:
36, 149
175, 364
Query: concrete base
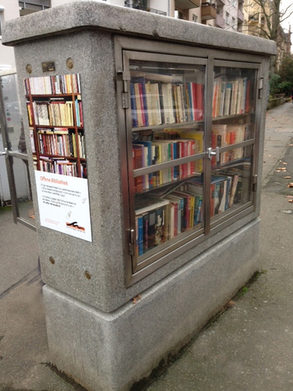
111, 351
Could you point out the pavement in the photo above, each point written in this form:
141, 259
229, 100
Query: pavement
246, 347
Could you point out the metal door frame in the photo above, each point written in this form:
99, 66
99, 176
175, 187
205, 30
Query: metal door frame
213, 57
9, 156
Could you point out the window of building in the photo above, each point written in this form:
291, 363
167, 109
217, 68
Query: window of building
194, 18
28, 6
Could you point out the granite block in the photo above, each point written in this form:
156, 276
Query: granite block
90, 14
111, 351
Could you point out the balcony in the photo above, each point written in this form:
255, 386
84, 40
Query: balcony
186, 4
240, 15
220, 21
208, 11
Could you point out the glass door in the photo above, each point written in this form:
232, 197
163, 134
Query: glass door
233, 137
16, 186
166, 151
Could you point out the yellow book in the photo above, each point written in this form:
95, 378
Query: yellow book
198, 136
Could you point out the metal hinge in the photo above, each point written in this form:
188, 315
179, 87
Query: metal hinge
131, 239
260, 88
254, 182
125, 100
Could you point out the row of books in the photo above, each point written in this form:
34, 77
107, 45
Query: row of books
53, 85
61, 166
229, 134
154, 103
223, 192
164, 219
61, 142
231, 97
152, 152
55, 113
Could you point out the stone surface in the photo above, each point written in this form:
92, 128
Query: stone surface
248, 348
92, 53
133, 22
111, 351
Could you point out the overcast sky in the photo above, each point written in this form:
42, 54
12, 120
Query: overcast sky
289, 21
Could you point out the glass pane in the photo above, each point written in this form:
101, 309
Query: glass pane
15, 131
233, 123
16, 141
167, 111
23, 190
231, 184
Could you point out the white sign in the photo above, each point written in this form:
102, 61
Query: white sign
64, 204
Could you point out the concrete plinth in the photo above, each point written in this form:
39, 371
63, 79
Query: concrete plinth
111, 351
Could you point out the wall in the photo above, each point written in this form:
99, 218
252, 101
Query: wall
11, 11
55, 3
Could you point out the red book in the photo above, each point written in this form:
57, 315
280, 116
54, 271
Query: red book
193, 150
138, 184
137, 155
199, 101
185, 153
80, 113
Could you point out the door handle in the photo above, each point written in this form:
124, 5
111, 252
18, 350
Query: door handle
4, 153
216, 153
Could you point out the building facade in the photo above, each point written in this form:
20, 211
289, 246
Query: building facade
256, 22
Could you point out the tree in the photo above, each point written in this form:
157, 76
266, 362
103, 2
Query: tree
286, 75
271, 16
268, 15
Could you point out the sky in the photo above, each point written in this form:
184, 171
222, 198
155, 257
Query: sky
289, 21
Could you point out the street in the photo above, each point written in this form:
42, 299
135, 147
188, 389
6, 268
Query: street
247, 347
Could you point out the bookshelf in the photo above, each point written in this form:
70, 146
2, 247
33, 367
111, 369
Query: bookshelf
175, 190
174, 230
55, 115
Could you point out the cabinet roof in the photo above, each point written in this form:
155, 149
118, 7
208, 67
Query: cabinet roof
92, 14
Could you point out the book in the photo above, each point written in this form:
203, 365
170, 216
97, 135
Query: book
54, 109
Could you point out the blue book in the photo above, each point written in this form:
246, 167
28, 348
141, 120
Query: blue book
133, 106
77, 113
228, 188
190, 101
175, 155
140, 235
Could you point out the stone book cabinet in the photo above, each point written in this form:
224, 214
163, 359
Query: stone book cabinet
168, 141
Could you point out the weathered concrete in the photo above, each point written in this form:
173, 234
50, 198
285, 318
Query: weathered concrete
95, 334
248, 348
68, 17
112, 351
93, 57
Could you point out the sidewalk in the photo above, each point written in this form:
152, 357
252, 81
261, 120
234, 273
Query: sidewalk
249, 347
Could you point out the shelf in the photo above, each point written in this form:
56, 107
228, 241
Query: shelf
53, 96
231, 117
171, 163
55, 126
175, 183
164, 126
58, 156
